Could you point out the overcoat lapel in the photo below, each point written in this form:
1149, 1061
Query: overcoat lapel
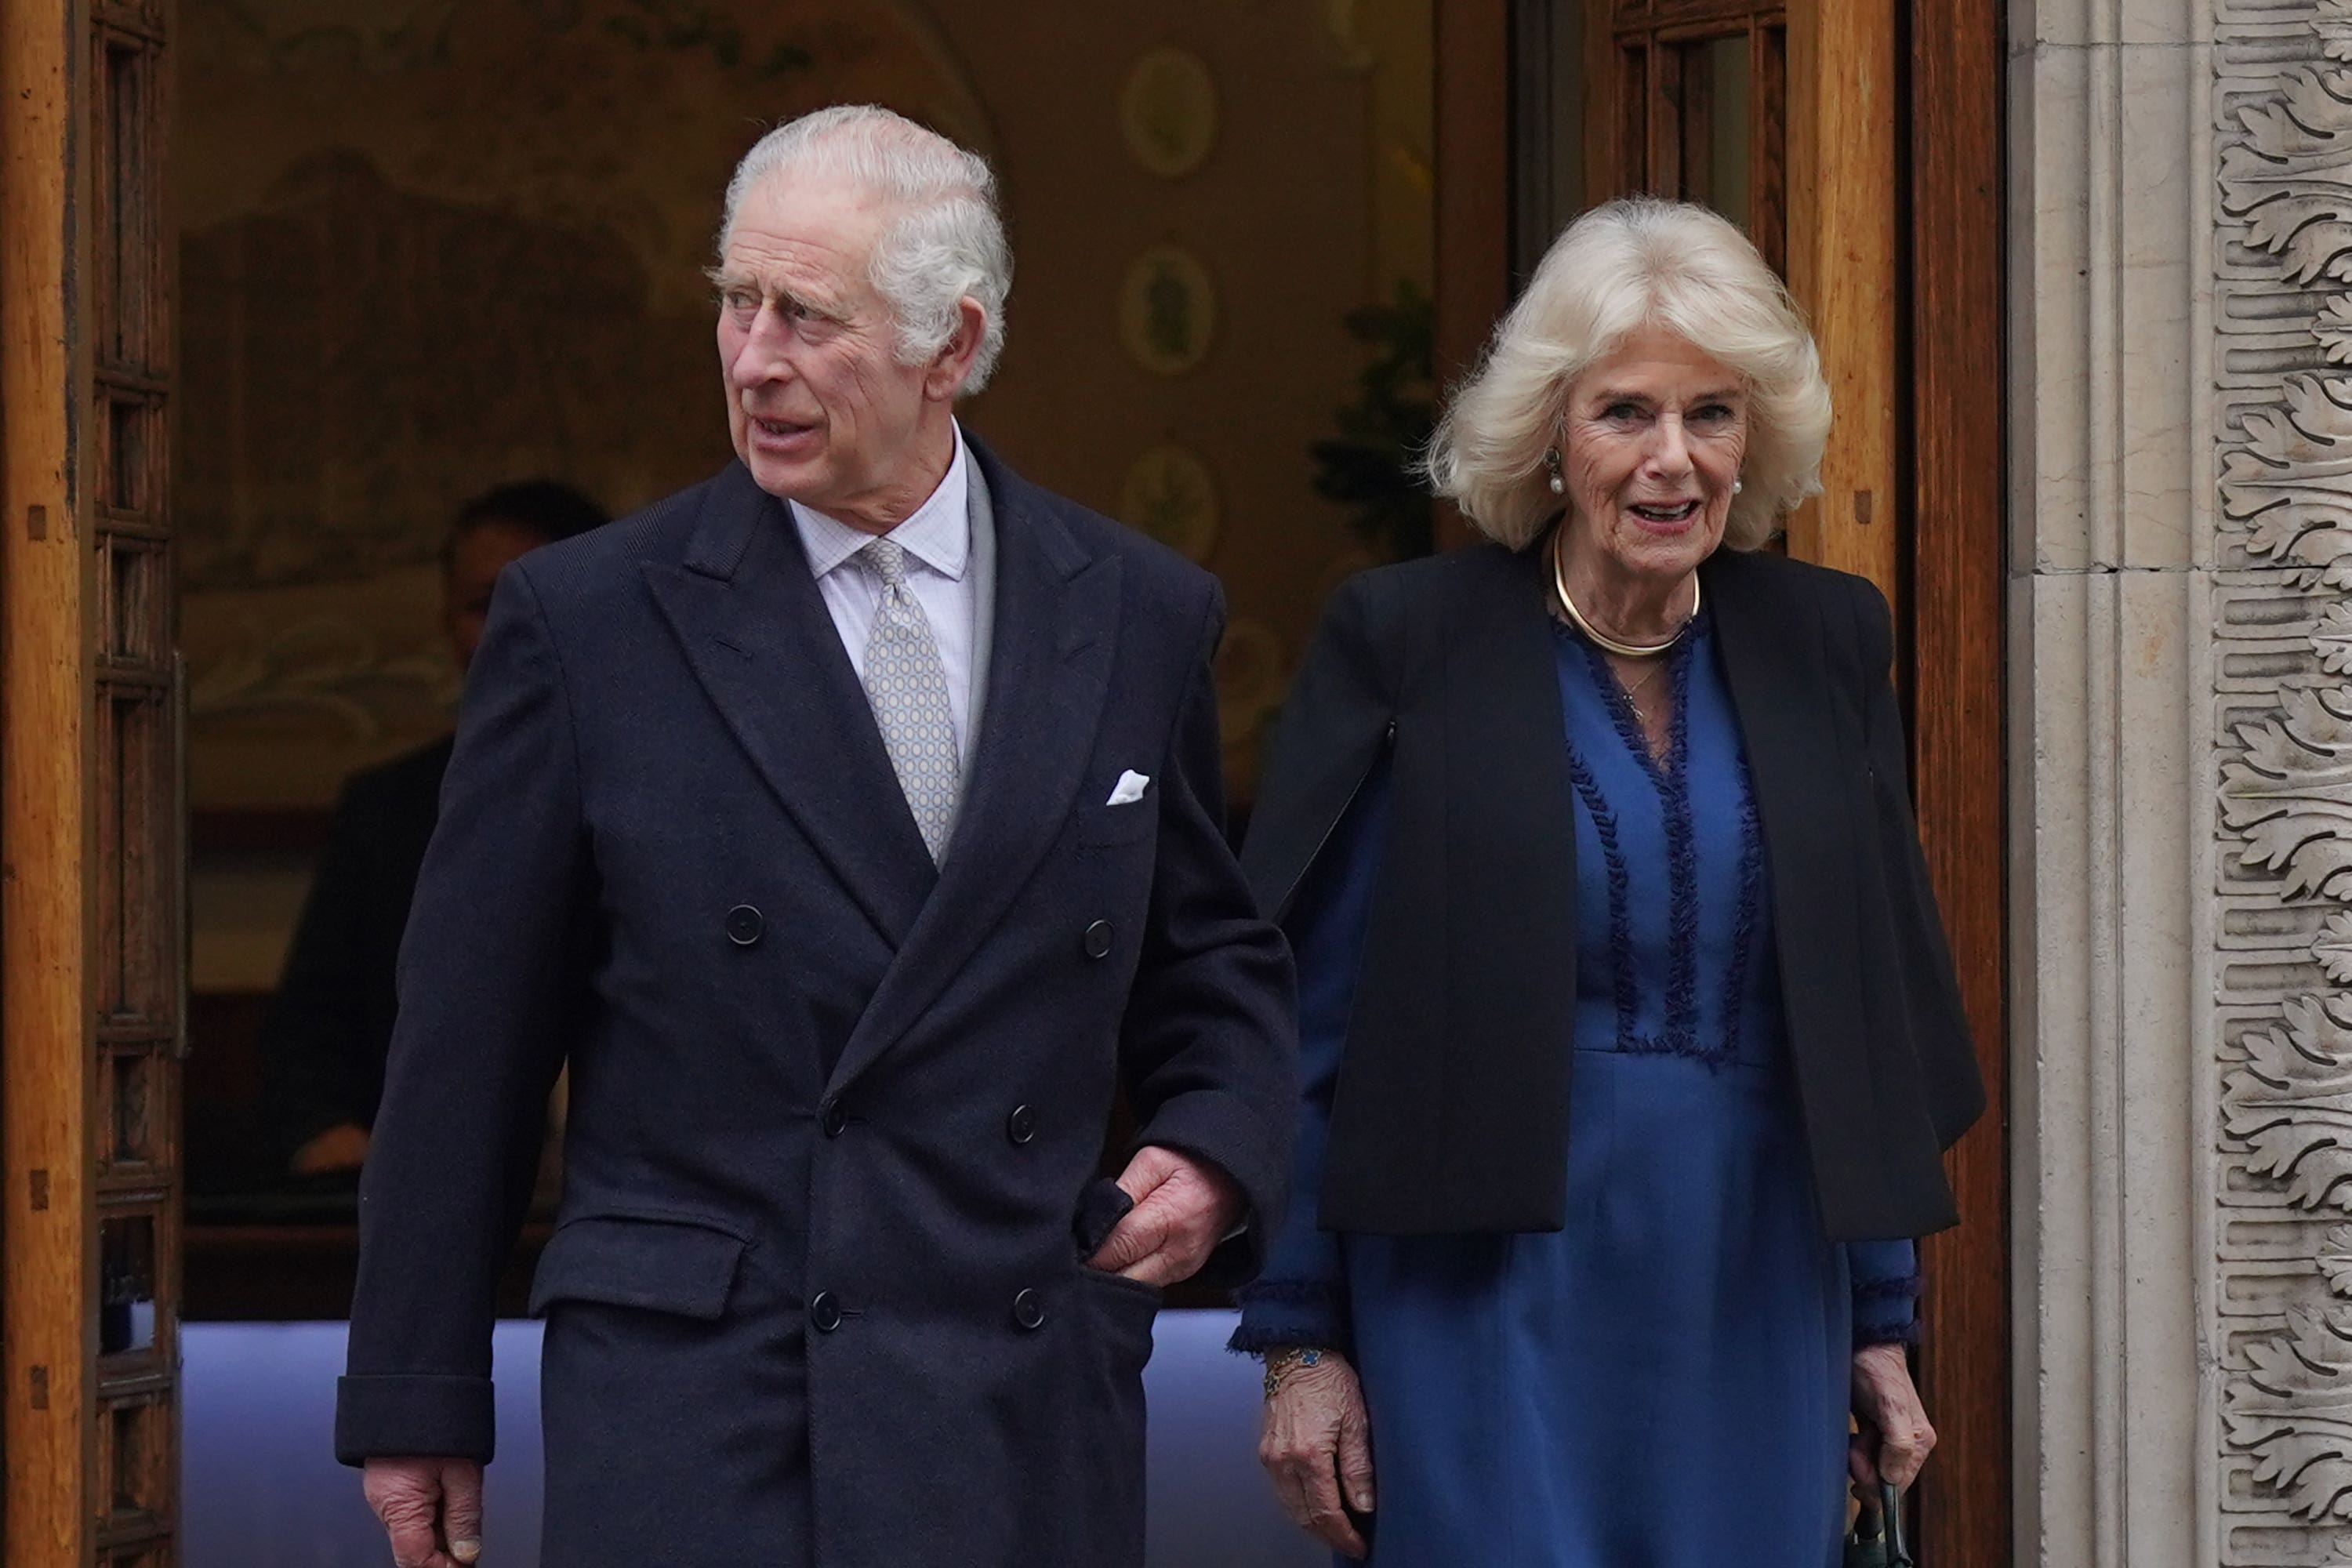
1056, 633
757, 633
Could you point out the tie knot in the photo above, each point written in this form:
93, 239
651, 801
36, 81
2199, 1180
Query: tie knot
889, 559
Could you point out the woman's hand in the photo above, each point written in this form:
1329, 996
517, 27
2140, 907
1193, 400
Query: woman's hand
1314, 1439
1894, 1438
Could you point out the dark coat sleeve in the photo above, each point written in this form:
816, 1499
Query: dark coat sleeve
1209, 1048
1939, 1031
487, 970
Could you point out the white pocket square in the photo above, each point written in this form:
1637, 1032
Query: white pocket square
1130, 787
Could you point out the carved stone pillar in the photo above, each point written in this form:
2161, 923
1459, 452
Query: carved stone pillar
2181, 744
2282, 922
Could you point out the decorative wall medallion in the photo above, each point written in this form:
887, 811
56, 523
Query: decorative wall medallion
1168, 111
1166, 309
1169, 495
2283, 313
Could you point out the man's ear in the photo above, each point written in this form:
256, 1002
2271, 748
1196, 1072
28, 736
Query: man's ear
945, 376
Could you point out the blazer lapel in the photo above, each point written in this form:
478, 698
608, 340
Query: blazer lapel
756, 632
1057, 629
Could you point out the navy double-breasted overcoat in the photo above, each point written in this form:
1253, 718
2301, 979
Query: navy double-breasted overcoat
814, 1296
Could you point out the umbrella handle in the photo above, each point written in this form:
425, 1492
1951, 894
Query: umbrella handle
1890, 1514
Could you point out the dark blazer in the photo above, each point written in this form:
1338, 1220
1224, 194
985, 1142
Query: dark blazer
815, 1294
323, 1044
1451, 1112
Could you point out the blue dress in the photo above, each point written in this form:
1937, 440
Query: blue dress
1665, 1383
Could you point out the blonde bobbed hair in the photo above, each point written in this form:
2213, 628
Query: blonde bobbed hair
1619, 268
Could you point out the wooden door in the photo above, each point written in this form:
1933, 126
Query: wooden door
91, 971
1858, 143
1689, 99
1734, 103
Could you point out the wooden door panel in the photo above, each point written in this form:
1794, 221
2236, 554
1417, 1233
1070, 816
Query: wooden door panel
91, 931
1693, 104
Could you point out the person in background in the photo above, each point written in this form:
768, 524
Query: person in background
1629, 1037
323, 1042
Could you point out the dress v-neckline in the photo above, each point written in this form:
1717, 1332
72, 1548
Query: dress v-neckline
1664, 772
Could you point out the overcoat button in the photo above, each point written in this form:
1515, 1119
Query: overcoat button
832, 1118
1099, 940
1021, 1125
1028, 1311
824, 1312
744, 925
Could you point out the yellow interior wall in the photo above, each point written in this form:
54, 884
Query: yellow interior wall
534, 136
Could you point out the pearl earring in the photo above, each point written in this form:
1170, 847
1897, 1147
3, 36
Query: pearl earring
1736, 486
1551, 461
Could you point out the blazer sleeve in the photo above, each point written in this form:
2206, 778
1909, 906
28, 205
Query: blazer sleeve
487, 968
1209, 1047
1939, 1028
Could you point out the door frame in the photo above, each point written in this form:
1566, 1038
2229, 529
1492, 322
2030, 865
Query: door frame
92, 956
47, 928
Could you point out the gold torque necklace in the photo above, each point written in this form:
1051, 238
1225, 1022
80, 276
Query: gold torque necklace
1610, 644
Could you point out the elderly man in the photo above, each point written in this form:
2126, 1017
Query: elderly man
851, 824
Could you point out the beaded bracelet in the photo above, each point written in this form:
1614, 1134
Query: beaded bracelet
1280, 1364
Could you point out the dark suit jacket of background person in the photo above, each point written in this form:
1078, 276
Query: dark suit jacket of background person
323, 1043
814, 1295
1451, 1114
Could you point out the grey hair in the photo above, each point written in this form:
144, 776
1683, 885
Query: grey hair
1620, 267
946, 242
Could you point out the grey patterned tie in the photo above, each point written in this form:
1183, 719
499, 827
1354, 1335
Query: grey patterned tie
908, 686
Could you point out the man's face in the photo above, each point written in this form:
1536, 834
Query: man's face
820, 408
476, 559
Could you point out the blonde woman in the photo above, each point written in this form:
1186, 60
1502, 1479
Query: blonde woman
1630, 1040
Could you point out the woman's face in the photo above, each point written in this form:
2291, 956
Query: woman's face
1652, 443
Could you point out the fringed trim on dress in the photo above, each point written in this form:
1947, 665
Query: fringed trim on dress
1897, 1288
1885, 1332
1620, 933
1751, 898
1281, 1312
1883, 1314
1681, 1036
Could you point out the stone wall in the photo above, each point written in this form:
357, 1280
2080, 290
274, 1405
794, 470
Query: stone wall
2282, 263
2181, 744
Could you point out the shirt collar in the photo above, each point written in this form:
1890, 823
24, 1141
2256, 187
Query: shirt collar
938, 533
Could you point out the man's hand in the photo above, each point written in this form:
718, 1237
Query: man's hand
432, 1509
1183, 1207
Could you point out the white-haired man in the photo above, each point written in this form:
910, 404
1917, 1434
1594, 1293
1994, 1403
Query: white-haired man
851, 824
